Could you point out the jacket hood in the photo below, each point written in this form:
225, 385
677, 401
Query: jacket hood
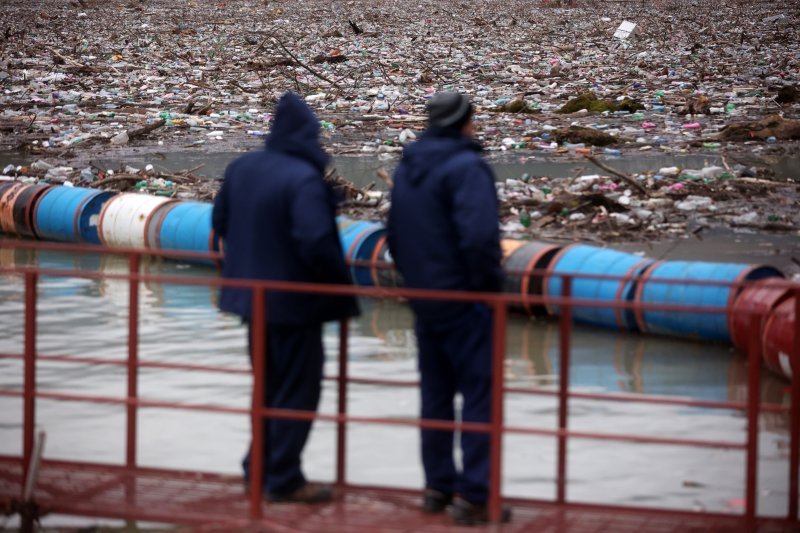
295, 131
433, 149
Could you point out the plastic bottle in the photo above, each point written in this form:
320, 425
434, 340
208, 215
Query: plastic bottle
771, 140
572, 147
729, 107
612, 151
525, 218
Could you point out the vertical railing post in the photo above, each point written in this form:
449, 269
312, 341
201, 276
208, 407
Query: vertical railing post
499, 318
29, 427
133, 360
794, 441
132, 408
753, 398
259, 348
341, 426
565, 331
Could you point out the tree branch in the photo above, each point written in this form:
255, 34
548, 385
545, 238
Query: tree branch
616, 172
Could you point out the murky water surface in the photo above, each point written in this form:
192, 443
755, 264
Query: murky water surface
361, 170
80, 317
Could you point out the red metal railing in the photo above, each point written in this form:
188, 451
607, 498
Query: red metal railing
496, 428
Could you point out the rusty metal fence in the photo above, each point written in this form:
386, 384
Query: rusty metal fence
24, 500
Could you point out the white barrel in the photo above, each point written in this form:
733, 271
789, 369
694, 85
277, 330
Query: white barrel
124, 219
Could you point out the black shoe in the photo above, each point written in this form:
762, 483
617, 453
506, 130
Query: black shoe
308, 493
434, 501
470, 514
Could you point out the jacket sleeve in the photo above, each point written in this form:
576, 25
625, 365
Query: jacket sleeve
219, 215
313, 230
475, 218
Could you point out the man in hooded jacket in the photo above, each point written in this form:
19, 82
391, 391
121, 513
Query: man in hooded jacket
276, 216
443, 234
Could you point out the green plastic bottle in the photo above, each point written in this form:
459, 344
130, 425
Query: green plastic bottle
525, 218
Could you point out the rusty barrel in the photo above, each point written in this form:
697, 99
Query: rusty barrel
124, 219
521, 260
8, 195
24, 207
779, 333
757, 298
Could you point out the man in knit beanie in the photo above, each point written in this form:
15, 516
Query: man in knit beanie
443, 234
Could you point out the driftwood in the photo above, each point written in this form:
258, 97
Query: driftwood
146, 129
628, 179
129, 178
305, 66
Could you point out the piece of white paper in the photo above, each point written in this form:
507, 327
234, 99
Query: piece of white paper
625, 29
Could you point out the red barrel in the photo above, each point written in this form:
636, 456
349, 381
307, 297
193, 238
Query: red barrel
759, 297
780, 329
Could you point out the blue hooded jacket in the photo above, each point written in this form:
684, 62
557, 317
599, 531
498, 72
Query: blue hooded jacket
276, 216
443, 229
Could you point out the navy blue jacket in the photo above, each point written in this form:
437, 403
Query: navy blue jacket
443, 228
276, 216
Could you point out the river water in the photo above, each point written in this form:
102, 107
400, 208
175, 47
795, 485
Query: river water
361, 170
179, 323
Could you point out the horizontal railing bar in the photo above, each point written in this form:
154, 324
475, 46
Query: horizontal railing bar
124, 362
377, 292
118, 469
609, 397
286, 414
99, 249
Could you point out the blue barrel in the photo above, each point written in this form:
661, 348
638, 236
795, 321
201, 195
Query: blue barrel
711, 326
359, 240
70, 214
580, 259
182, 226
349, 230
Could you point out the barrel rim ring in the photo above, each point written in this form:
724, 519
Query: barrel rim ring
632, 283
373, 269
639, 312
170, 204
36, 211
531, 265
30, 211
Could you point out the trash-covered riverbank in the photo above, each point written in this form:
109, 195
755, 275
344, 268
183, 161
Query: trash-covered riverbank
86, 81
91, 75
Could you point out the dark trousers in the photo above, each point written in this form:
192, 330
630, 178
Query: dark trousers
456, 358
293, 380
